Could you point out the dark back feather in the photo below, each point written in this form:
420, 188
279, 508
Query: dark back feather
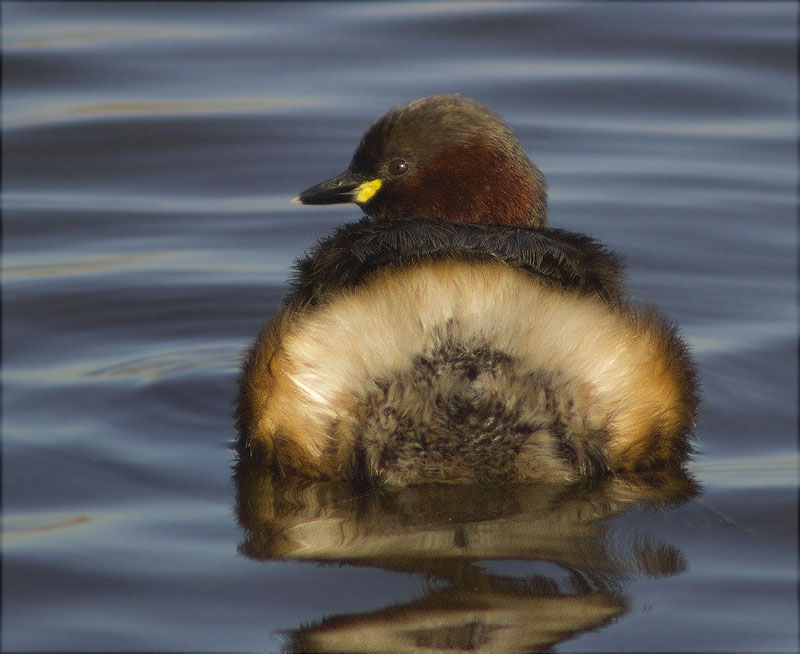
356, 250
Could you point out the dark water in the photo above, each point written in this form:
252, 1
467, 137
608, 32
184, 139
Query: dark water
150, 152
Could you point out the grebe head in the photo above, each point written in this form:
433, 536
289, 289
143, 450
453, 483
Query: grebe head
441, 157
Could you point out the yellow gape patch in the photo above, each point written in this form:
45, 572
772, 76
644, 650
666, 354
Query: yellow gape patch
366, 190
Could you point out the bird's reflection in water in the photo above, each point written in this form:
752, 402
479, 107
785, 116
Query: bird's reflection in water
448, 534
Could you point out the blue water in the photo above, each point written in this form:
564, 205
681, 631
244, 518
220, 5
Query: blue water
150, 153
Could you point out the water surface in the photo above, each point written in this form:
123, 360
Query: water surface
150, 153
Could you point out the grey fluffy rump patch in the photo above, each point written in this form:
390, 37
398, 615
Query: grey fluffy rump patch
465, 410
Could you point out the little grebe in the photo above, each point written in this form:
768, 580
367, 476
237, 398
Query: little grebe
451, 336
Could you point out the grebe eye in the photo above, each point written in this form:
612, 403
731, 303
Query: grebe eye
398, 167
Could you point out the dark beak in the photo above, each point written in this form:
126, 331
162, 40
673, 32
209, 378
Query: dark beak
337, 190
